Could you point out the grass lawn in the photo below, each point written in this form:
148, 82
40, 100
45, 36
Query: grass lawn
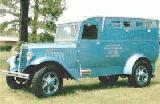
3, 58
88, 91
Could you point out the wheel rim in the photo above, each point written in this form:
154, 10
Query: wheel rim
142, 75
50, 83
20, 81
109, 78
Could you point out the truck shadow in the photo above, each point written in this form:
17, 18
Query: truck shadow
73, 89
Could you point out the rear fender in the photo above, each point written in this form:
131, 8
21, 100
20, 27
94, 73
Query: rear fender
130, 63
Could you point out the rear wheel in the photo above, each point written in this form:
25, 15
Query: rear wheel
47, 82
108, 79
141, 75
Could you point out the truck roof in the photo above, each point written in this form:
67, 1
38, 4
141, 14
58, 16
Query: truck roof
127, 18
118, 18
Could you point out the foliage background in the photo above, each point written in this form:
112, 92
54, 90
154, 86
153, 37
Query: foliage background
43, 15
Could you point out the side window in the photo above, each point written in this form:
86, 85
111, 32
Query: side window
90, 32
139, 24
126, 24
149, 25
116, 24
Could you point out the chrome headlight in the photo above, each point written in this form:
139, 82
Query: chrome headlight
17, 57
29, 56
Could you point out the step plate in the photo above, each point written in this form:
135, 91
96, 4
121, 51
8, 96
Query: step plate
85, 72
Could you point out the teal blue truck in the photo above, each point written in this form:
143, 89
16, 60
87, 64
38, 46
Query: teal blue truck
103, 47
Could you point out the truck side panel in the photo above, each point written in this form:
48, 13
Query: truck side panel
119, 40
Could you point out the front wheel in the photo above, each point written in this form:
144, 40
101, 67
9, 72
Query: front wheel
18, 83
141, 75
47, 82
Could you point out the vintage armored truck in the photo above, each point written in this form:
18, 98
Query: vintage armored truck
103, 47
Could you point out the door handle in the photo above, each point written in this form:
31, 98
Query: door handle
98, 43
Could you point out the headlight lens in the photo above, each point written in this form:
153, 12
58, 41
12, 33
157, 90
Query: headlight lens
29, 55
17, 57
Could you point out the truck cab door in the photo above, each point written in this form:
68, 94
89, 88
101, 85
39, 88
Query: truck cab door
89, 44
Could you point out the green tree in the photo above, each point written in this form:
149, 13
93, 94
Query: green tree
51, 10
11, 8
35, 20
24, 7
48, 11
44, 15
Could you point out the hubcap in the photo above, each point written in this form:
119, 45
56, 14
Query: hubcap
50, 83
20, 81
142, 75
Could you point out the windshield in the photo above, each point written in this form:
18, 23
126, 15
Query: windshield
66, 32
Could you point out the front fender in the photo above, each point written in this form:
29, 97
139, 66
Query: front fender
43, 59
130, 63
74, 72
12, 62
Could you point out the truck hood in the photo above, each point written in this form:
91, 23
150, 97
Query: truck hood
48, 45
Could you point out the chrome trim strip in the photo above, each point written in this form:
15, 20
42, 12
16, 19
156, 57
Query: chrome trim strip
15, 74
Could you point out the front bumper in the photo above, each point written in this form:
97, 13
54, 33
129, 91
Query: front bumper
13, 69
15, 74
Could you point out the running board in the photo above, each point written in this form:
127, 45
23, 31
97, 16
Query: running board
85, 72
15, 74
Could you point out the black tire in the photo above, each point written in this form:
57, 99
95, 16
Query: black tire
141, 74
17, 83
130, 81
108, 80
40, 80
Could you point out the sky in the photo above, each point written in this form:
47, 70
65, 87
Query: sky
79, 9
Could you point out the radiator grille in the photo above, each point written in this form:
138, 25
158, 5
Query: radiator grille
23, 59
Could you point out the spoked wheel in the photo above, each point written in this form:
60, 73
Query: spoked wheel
47, 82
50, 83
17, 83
141, 74
108, 79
